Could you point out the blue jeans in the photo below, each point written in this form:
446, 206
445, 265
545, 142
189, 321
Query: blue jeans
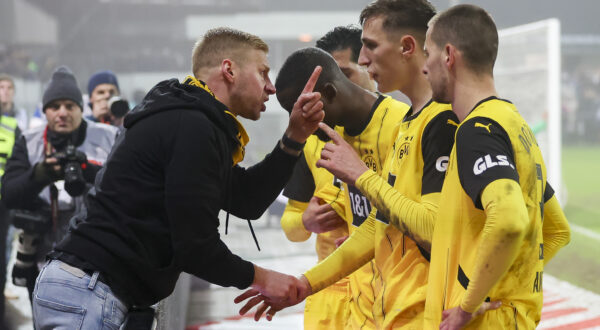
65, 297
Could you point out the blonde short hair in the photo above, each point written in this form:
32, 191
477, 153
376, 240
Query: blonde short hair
220, 43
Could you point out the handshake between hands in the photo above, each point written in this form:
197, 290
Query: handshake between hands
274, 291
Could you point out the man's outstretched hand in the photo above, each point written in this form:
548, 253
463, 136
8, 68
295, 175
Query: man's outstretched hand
274, 291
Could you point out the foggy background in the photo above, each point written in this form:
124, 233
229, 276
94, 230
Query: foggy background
145, 41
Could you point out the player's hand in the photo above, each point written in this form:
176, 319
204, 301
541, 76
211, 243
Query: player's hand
339, 158
456, 318
320, 217
307, 111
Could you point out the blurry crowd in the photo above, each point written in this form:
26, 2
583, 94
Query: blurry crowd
581, 106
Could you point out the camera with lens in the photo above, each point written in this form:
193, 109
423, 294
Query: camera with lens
33, 225
30, 221
118, 106
72, 162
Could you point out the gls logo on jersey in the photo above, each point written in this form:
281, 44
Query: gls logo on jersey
441, 164
485, 162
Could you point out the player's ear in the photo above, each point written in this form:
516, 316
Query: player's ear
328, 92
450, 53
227, 68
408, 44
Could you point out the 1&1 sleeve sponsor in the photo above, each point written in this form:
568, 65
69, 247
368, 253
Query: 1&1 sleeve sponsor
484, 154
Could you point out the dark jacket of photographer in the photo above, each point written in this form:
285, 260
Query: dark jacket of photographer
153, 212
24, 187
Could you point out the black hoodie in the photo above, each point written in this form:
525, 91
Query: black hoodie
153, 212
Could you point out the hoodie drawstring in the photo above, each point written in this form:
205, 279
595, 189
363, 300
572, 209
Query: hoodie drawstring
249, 225
227, 216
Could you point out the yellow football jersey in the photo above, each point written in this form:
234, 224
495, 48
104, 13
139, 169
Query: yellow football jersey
415, 167
330, 190
373, 144
330, 308
493, 142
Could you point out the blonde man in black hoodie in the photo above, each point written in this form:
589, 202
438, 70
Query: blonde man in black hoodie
154, 210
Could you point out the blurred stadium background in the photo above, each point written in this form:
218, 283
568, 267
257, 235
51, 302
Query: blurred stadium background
549, 66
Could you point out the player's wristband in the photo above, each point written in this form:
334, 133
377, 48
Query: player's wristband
289, 143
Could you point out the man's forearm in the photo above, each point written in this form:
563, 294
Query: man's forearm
255, 188
357, 250
416, 220
506, 222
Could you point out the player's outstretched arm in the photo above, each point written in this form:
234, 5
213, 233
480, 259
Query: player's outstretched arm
416, 220
357, 250
351, 255
555, 229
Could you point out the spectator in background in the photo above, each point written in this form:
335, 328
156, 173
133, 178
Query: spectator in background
102, 86
7, 104
41, 193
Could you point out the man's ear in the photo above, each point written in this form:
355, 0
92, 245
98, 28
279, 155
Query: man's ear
329, 92
227, 68
408, 44
450, 54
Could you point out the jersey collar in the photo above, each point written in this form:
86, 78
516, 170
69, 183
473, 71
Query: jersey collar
489, 98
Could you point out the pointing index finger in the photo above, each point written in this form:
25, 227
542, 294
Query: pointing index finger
312, 81
335, 137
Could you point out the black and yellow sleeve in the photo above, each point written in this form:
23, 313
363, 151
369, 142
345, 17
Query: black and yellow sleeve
484, 154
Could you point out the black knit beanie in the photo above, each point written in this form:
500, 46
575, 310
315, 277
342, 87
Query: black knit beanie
62, 85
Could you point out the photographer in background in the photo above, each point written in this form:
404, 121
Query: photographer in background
49, 170
105, 101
